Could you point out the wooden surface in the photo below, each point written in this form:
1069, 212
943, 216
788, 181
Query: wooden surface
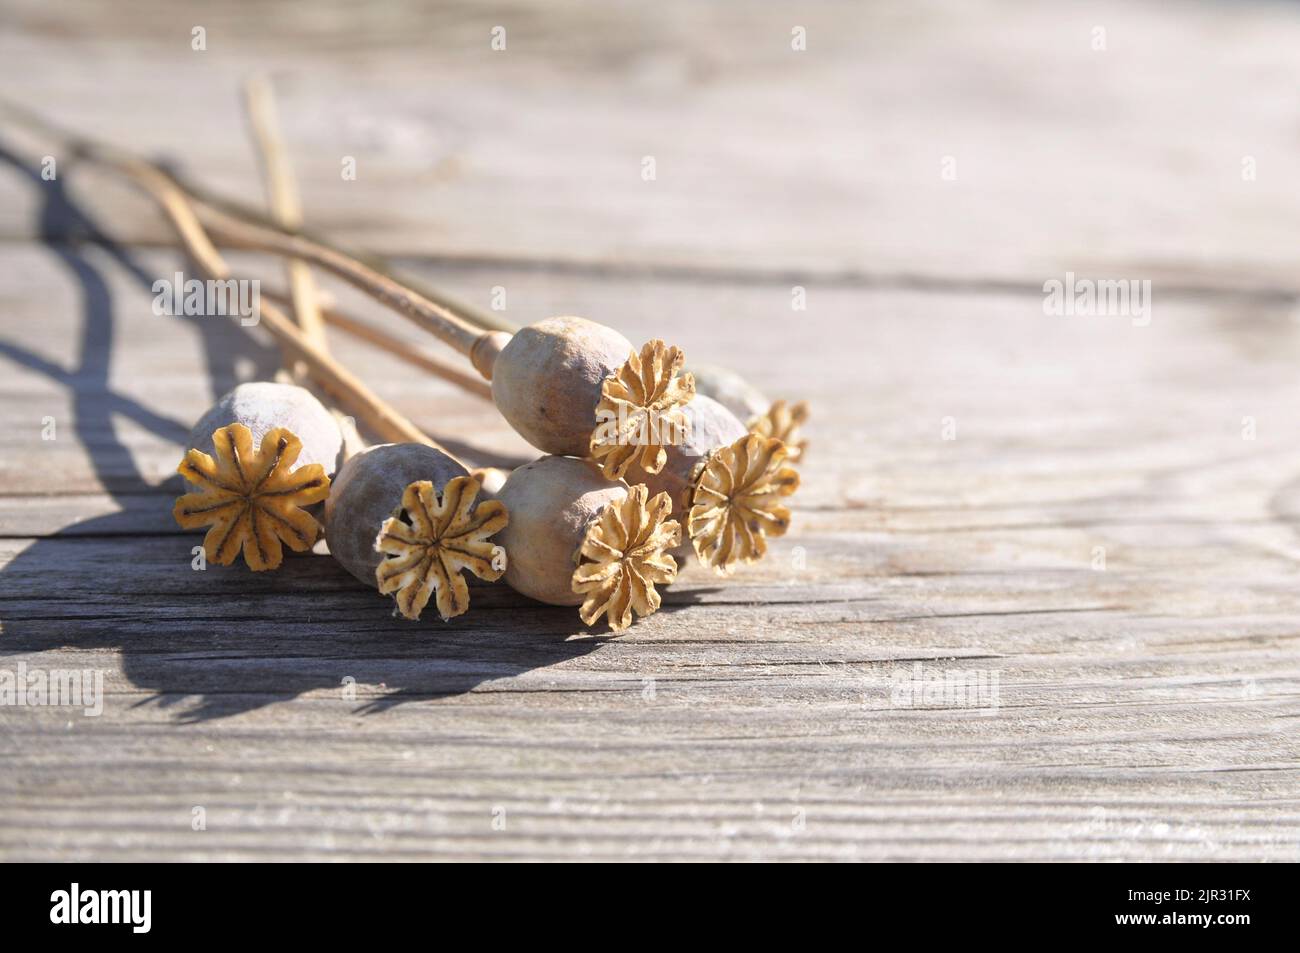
1147, 710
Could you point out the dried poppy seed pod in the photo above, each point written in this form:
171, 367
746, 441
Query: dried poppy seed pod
262, 406
578, 538
547, 381
572, 387
711, 426
402, 518
730, 390
783, 421
737, 501
726, 484
762, 416
260, 460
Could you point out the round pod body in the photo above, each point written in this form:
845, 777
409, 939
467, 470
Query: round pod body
730, 390
711, 426
551, 502
262, 406
547, 381
368, 490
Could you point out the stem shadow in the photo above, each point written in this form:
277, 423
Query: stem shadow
218, 643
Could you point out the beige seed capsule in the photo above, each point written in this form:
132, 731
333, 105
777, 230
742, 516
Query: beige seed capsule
710, 426
778, 419
726, 486
730, 390
402, 518
260, 462
572, 387
261, 406
578, 538
547, 381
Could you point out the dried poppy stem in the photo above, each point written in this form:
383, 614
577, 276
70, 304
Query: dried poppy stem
567, 385
731, 486
761, 416
284, 201
767, 418
483, 319
286, 214
438, 320
391, 344
341, 384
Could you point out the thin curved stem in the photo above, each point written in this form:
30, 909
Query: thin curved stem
233, 207
336, 380
378, 338
436, 317
284, 201
444, 324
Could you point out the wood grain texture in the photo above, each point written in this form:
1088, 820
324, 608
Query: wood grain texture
1146, 711
1125, 160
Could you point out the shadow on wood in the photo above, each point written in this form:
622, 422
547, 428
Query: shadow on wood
246, 640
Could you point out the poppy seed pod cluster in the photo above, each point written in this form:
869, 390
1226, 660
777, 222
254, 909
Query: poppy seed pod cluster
566, 384
642, 467
402, 518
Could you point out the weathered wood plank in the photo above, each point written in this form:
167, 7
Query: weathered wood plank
1080, 412
1126, 162
1146, 711
1146, 705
